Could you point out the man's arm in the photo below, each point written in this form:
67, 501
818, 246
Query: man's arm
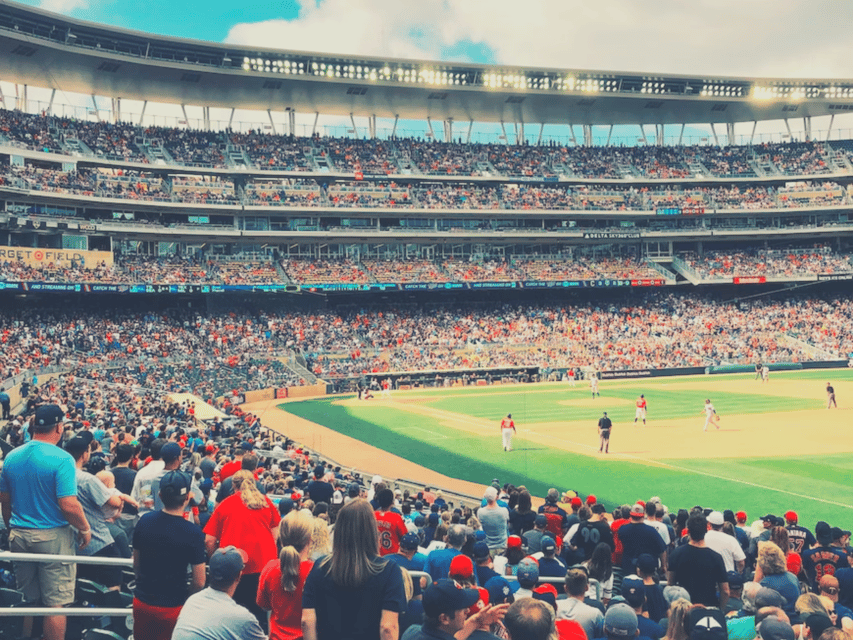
389, 625
663, 564
724, 594
210, 544
739, 565
198, 577
6, 508
73, 512
309, 624
670, 578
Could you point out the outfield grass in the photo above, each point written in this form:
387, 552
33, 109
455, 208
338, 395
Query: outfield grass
818, 487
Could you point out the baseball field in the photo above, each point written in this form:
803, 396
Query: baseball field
777, 446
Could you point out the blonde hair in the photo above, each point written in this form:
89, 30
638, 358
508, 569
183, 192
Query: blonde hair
320, 543
244, 483
771, 560
355, 552
809, 603
474, 523
294, 534
408, 585
677, 627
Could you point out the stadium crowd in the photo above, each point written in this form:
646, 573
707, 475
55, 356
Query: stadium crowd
404, 155
238, 532
725, 264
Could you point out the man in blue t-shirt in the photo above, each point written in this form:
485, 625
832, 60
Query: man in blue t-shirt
438, 560
409, 558
38, 496
637, 538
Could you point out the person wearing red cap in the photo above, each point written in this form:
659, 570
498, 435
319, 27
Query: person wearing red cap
462, 570
801, 538
590, 500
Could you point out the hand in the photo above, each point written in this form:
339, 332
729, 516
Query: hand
126, 498
84, 538
490, 615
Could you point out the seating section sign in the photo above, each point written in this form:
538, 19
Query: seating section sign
60, 258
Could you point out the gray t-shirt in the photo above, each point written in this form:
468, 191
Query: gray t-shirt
494, 521
93, 495
213, 615
590, 618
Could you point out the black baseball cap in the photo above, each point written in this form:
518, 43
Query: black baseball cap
445, 596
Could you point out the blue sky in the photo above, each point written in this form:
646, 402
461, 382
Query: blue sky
752, 38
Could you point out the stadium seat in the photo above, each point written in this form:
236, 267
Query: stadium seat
100, 634
11, 626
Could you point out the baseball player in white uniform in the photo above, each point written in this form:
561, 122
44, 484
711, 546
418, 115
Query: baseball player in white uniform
710, 415
507, 429
593, 384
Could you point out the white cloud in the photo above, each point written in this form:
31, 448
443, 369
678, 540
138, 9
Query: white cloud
721, 37
63, 6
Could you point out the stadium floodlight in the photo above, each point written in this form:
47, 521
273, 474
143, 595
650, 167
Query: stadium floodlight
764, 93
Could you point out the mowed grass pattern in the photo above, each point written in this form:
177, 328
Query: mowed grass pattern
818, 487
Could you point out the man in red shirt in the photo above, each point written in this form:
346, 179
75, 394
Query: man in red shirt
390, 524
236, 464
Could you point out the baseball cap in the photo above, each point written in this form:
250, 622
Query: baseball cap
590, 499
479, 535
481, 550
527, 572
818, 623
633, 591
76, 445
647, 563
434, 518
247, 446
420, 521
637, 511
354, 489
775, 629
766, 597
482, 602
319, 471
768, 518
499, 589
674, 592
707, 624
576, 502
491, 493
838, 533
741, 516
48, 414
620, 620
791, 515
541, 520
546, 595
547, 544
461, 566
547, 588
174, 484
829, 584
225, 565
598, 508
715, 518
735, 579
445, 596
170, 452
513, 542
285, 506
823, 532
337, 498
410, 541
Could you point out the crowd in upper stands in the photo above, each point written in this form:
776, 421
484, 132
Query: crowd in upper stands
726, 264
268, 151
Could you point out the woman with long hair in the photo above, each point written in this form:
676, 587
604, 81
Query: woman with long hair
248, 520
353, 593
281, 582
600, 565
321, 543
772, 572
677, 626
522, 517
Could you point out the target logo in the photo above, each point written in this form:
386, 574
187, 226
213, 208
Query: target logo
38, 255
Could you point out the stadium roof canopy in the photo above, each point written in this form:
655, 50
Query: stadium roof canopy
43, 49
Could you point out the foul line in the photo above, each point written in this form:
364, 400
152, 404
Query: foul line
704, 473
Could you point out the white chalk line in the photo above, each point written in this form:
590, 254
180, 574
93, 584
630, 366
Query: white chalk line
703, 473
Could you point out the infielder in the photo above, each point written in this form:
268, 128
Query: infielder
710, 415
507, 429
765, 373
604, 426
830, 396
641, 409
593, 384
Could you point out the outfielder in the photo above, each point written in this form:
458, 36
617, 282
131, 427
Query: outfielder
507, 429
593, 384
711, 415
641, 409
830, 396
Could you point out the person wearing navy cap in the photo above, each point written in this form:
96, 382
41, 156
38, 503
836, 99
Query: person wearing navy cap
409, 558
445, 608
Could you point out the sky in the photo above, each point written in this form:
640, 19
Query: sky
773, 38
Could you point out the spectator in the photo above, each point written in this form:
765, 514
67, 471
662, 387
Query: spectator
165, 546
620, 622
727, 546
824, 559
772, 573
494, 519
636, 537
574, 608
353, 588
530, 619
282, 580
550, 565
697, 568
391, 525
677, 621
212, 614
438, 561
246, 520
38, 496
